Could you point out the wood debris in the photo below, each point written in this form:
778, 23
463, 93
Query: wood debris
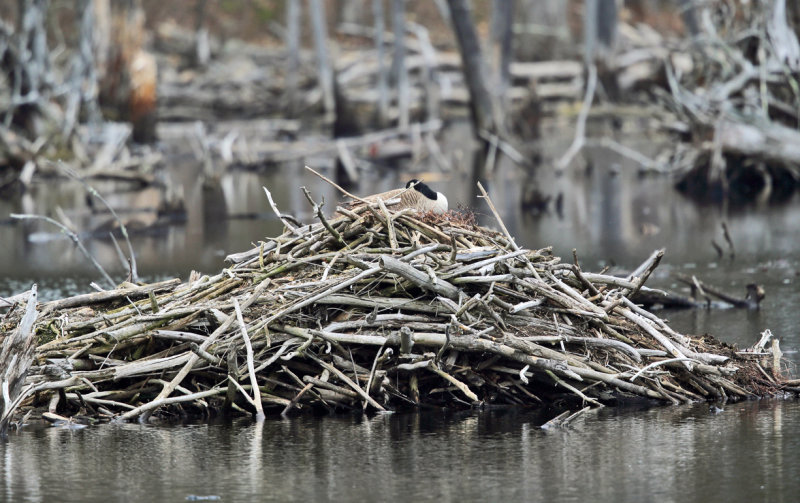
376, 310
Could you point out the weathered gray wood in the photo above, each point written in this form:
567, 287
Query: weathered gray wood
481, 105
202, 47
599, 30
784, 39
16, 357
293, 13
324, 67
767, 141
399, 65
136, 292
502, 37
419, 278
429, 71
382, 81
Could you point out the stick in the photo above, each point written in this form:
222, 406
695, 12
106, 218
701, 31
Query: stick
250, 367
167, 401
337, 187
317, 208
455, 382
278, 213
72, 236
91, 190
347, 380
488, 200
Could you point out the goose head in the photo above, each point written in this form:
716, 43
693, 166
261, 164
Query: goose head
424, 198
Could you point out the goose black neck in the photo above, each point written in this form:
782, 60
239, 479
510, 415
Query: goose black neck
424, 189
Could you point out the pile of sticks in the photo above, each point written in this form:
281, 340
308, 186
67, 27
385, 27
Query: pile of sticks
376, 309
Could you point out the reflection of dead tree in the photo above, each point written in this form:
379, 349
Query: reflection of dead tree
580, 128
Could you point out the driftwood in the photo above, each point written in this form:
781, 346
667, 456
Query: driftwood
376, 309
755, 293
16, 357
732, 90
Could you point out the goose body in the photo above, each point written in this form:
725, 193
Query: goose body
416, 195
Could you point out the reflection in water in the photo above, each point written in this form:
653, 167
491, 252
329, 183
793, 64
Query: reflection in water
744, 453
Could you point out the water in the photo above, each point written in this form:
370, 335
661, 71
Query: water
747, 452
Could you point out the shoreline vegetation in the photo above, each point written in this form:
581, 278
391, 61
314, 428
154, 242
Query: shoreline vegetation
372, 310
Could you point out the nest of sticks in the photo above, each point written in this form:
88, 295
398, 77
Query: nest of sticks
377, 310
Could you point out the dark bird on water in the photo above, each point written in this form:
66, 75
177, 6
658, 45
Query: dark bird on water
416, 195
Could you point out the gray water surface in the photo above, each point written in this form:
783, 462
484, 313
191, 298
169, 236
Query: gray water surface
746, 452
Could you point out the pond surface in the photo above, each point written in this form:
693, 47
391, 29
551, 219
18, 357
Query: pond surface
747, 452
613, 217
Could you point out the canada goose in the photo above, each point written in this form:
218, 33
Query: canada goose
416, 195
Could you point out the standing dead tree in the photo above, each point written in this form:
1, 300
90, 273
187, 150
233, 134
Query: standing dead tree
47, 96
326, 76
399, 70
482, 107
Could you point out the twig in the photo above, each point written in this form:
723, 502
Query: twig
72, 236
317, 208
488, 200
347, 380
726, 234
455, 382
91, 190
337, 187
572, 388
250, 366
280, 216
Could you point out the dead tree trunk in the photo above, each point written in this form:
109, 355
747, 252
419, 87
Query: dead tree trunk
83, 77
129, 86
27, 65
542, 31
383, 85
689, 15
202, 49
600, 35
350, 11
293, 13
399, 64
320, 32
502, 36
481, 105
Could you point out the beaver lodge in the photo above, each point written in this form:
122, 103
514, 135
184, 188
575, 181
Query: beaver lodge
379, 310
